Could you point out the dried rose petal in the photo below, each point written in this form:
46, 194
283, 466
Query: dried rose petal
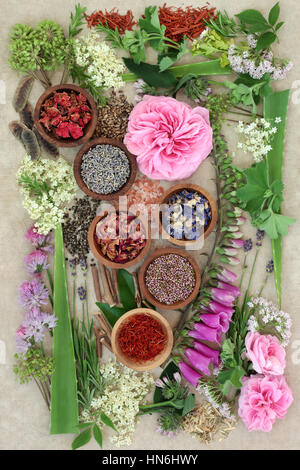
63, 130
75, 130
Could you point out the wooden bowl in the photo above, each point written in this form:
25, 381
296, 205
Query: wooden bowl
160, 358
144, 289
102, 258
77, 169
59, 141
190, 187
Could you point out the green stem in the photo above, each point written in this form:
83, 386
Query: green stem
50, 279
250, 279
156, 405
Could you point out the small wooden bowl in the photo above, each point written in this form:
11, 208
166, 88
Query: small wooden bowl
102, 258
190, 187
144, 289
77, 169
59, 141
160, 358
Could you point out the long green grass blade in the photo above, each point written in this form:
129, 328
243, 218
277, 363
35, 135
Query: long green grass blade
276, 105
207, 67
64, 404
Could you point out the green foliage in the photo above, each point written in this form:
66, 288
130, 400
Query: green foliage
212, 45
232, 372
85, 436
42, 48
262, 200
247, 91
34, 365
80, 76
168, 372
126, 289
252, 21
76, 20
223, 25
151, 74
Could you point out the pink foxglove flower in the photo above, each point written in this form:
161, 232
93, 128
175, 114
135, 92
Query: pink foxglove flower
189, 374
266, 353
36, 262
226, 275
263, 399
198, 360
213, 354
169, 138
216, 320
205, 333
222, 296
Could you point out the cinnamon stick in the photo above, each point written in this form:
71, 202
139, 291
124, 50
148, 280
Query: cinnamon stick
115, 284
96, 283
106, 290
110, 283
106, 344
105, 326
138, 297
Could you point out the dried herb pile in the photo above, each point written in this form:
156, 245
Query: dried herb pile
76, 225
113, 118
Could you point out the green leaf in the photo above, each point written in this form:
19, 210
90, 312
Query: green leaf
251, 17
168, 372
189, 404
265, 40
231, 377
183, 81
150, 23
166, 61
279, 25
275, 224
112, 314
64, 404
151, 74
126, 289
253, 193
259, 28
84, 425
107, 421
227, 353
276, 105
82, 439
274, 14
97, 434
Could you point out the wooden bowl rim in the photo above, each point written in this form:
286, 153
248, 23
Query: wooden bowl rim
100, 257
158, 360
144, 289
104, 141
91, 126
214, 212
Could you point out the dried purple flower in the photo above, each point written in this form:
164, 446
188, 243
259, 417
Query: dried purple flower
248, 244
82, 293
259, 237
72, 264
270, 266
83, 265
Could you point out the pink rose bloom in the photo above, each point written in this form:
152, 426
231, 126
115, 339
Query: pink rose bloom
169, 138
266, 353
263, 400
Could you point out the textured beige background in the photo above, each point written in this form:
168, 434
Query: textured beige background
24, 420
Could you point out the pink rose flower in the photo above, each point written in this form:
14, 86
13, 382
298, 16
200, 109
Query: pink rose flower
266, 353
169, 138
263, 399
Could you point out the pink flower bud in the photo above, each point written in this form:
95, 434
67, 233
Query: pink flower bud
189, 374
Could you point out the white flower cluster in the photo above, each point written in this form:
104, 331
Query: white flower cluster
257, 64
47, 207
256, 137
268, 319
120, 400
102, 65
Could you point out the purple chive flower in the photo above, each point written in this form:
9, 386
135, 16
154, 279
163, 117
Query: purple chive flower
33, 294
198, 360
270, 266
216, 307
189, 374
159, 383
72, 264
36, 262
216, 320
82, 293
203, 332
222, 296
235, 291
259, 237
235, 243
83, 265
38, 240
248, 244
226, 275
213, 354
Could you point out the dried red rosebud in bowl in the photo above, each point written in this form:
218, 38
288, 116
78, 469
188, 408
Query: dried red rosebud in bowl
66, 115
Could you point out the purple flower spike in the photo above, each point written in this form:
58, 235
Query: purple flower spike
213, 354
216, 307
205, 333
198, 360
223, 296
248, 244
235, 291
216, 320
189, 374
226, 275
235, 243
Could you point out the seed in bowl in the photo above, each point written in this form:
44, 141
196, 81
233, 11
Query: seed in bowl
105, 169
170, 278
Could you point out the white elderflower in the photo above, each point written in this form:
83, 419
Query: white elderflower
46, 185
100, 61
255, 138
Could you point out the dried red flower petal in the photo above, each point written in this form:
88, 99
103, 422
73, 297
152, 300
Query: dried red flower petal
75, 130
63, 130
